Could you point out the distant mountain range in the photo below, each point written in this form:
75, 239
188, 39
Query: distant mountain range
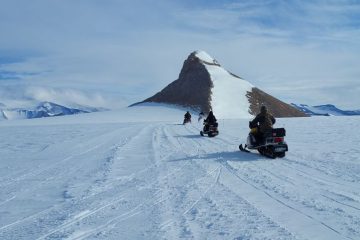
43, 109
325, 110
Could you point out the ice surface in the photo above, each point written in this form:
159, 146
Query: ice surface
138, 173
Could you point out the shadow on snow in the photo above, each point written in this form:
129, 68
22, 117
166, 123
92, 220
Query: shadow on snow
224, 156
191, 136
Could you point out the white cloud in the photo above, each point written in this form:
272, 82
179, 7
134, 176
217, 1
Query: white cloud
64, 96
28, 96
131, 49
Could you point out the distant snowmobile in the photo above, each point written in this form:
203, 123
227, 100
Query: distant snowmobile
272, 144
210, 129
187, 118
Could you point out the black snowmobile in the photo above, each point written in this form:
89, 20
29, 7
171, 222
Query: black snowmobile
187, 120
210, 129
271, 145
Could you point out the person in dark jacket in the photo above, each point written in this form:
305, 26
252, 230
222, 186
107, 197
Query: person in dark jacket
210, 120
187, 117
264, 122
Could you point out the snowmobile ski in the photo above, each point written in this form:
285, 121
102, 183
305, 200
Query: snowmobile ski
243, 149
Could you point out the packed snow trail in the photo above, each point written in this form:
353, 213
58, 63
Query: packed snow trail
162, 180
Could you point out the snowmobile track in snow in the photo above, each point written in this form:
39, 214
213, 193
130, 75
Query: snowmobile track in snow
272, 201
159, 180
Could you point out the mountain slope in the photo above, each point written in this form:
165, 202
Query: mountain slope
204, 85
43, 109
191, 89
325, 110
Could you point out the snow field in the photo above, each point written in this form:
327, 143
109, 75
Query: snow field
204, 56
128, 179
228, 95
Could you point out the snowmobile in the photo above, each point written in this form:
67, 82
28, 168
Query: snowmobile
187, 120
272, 144
210, 129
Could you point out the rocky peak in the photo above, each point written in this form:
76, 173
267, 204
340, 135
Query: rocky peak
193, 87
203, 85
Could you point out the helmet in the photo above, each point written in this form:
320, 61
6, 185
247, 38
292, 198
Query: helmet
263, 109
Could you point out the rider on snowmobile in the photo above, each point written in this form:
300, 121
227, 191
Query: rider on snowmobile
210, 120
262, 124
187, 117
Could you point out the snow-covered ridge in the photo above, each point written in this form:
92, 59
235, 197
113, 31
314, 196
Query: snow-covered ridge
206, 58
228, 95
325, 110
43, 109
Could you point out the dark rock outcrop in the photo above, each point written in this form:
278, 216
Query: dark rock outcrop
257, 98
192, 89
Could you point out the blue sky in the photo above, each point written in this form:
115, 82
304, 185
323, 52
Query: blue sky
118, 52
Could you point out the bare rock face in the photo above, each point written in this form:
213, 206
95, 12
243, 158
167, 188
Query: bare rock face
194, 87
277, 108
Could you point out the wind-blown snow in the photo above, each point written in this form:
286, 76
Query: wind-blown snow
138, 173
228, 98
